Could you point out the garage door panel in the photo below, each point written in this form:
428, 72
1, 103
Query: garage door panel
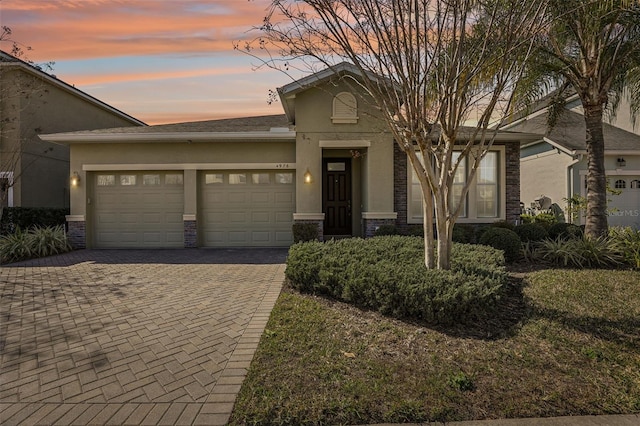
257, 212
128, 214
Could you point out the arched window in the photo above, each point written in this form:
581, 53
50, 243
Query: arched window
621, 184
345, 109
635, 184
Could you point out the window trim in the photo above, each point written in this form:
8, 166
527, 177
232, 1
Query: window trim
471, 208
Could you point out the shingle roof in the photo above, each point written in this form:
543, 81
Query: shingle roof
262, 123
570, 132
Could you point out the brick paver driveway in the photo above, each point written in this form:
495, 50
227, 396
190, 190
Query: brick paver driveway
132, 336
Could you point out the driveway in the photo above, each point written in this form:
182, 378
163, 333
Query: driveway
132, 336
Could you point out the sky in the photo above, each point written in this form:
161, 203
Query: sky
161, 61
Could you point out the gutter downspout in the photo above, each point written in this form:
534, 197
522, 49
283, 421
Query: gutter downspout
570, 180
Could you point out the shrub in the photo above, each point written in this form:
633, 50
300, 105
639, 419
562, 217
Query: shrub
35, 242
305, 231
503, 224
462, 233
385, 230
387, 274
415, 231
505, 240
565, 231
545, 219
531, 232
627, 241
580, 253
29, 217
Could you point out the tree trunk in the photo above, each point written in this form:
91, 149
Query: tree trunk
445, 241
596, 221
429, 254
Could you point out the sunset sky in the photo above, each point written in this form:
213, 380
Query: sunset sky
161, 61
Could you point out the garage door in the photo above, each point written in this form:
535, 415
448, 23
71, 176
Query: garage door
138, 210
246, 208
624, 209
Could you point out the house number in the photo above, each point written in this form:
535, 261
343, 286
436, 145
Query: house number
282, 166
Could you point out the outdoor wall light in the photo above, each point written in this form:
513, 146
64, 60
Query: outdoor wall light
307, 176
75, 179
621, 162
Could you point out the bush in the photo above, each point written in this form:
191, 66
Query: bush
385, 230
545, 219
503, 224
387, 274
565, 231
627, 241
531, 232
462, 233
580, 253
32, 243
505, 240
305, 231
29, 217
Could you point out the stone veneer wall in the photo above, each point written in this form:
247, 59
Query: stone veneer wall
190, 234
77, 234
512, 181
371, 225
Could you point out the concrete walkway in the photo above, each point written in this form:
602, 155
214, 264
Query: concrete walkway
132, 336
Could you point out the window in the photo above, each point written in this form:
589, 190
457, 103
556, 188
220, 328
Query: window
487, 186
150, 180
620, 184
284, 178
237, 178
635, 184
213, 178
106, 180
127, 180
483, 199
345, 109
173, 179
260, 178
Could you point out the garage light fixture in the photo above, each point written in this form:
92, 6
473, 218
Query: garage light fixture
307, 176
75, 179
621, 162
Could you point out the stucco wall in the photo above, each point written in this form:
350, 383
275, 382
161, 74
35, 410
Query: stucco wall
544, 174
313, 111
35, 106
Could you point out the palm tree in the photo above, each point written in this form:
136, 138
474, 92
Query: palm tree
593, 47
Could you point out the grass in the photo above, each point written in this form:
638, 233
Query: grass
566, 342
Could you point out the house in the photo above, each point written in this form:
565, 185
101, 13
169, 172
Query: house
555, 166
33, 172
242, 182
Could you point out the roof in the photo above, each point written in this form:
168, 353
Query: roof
268, 127
7, 60
570, 132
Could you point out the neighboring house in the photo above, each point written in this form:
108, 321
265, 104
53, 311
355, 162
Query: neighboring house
243, 182
556, 165
33, 172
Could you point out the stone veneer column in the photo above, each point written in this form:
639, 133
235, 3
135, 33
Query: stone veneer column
190, 231
317, 218
400, 193
512, 181
77, 231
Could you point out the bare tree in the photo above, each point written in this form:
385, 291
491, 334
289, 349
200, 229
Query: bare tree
429, 67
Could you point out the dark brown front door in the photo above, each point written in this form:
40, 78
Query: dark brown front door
336, 199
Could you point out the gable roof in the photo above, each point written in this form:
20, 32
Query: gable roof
7, 60
570, 130
267, 127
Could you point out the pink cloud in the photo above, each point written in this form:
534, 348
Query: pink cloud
66, 29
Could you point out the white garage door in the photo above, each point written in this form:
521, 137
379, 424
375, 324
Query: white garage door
138, 210
624, 209
246, 208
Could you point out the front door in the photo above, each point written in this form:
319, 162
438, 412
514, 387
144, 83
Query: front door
336, 199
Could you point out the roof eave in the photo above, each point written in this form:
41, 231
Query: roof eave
180, 137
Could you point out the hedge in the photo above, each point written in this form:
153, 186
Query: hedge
30, 217
387, 274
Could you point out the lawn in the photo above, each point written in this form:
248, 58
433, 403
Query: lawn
565, 342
